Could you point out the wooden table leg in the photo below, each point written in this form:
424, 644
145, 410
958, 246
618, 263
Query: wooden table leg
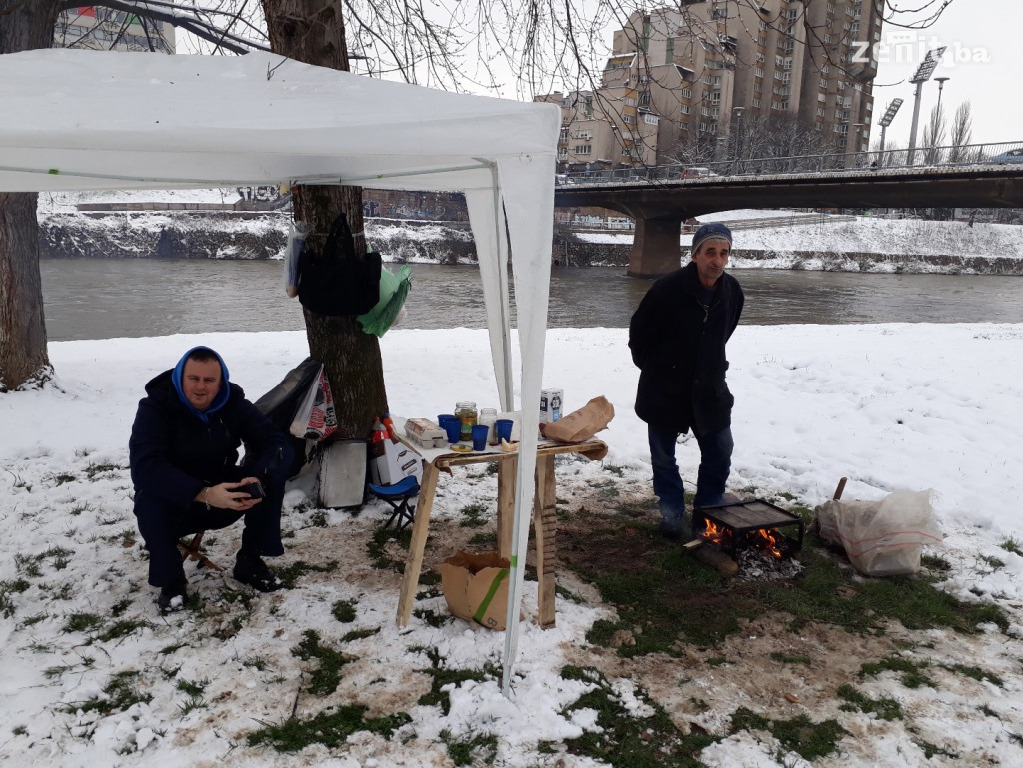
507, 469
420, 530
545, 524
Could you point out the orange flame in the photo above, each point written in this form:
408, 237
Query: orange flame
769, 540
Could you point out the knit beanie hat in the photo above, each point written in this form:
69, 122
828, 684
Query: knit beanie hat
712, 231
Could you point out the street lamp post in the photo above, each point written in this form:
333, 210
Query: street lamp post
737, 141
885, 121
923, 74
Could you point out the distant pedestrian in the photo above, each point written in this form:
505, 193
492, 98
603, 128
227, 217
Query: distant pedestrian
677, 337
183, 453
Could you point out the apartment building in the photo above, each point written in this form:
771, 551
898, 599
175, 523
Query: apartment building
685, 80
88, 26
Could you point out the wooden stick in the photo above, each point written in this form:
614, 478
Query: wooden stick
840, 488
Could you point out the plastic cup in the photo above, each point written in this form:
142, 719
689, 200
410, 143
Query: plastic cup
479, 437
453, 427
504, 429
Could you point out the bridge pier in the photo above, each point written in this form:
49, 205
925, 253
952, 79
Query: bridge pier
655, 247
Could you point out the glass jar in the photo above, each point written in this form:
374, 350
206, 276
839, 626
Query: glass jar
488, 416
466, 413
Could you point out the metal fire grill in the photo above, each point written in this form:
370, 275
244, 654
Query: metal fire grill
740, 521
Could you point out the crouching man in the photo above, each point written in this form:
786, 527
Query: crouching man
184, 453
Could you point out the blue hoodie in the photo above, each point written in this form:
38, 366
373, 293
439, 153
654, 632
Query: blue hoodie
222, 396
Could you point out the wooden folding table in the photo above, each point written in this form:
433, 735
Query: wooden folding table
544, 521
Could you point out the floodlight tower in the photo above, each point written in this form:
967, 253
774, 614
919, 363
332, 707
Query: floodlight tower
923, 74
889, 115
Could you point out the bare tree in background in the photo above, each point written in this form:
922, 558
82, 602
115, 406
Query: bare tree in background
962, 135
934, 135
504, 47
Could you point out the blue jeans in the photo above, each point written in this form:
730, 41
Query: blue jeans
715, 464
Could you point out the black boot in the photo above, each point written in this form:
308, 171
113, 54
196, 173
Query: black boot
251, 570
173, 597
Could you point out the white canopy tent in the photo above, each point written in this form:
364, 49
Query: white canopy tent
77, 120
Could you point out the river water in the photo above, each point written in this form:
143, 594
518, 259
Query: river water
100, 299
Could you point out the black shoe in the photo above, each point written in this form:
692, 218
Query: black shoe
251, 570
173, 597
675, 529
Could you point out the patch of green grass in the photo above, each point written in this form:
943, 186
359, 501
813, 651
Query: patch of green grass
33, 619
800, 734
717, 661
256, 662
118, 608
478, 749
79, 508
122, 628
377, 548
81, 621
62, 477
1012, 545
484, 540
318, 519
192, 703
97, 469
359, 634
436, 697
193, 687
431, 617
344, 611
885, 707
292, 572
994, 562
326, 675
19, 730
976, 673
8, 588
169, 649
121, 693
674, 597
615, 469
330, 728
785, 658
605, 489
910, 672
474, 515
625, 739
935, 563
567, 594
27, 565
930, 750
988, 712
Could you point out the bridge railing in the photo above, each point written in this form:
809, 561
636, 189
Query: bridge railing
849, 162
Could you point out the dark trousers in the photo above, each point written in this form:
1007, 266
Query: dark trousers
162, 524
715, 464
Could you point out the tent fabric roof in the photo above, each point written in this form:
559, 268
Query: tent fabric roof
112, 120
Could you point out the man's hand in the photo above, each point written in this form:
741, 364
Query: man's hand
227, 495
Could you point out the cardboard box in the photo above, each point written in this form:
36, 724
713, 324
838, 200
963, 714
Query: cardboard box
476, 587
395, 464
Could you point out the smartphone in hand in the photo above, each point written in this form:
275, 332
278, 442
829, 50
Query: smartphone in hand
254, 489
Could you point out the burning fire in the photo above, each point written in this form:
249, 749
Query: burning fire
766, 540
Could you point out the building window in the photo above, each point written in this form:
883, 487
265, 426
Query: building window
582, 149
687, 93
684, 109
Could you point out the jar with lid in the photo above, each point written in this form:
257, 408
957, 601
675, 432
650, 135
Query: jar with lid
488, 416
465, 410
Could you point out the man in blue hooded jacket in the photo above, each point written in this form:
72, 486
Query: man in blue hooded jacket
184, 453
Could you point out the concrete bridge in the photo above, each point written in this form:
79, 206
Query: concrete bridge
660, 207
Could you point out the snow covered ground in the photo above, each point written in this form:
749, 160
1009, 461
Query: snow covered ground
94, 676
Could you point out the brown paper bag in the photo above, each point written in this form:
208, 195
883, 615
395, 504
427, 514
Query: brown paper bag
581, 425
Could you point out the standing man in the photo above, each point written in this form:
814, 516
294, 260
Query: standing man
677, 338
184, 450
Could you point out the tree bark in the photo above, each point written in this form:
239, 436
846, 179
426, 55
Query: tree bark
313, 32
23, 357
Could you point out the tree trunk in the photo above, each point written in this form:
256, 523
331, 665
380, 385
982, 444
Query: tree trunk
312, 31
23, 357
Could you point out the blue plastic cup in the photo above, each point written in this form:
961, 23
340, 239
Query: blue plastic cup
480, 432
504, 429
453, 427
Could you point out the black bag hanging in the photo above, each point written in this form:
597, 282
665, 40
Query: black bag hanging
339, 281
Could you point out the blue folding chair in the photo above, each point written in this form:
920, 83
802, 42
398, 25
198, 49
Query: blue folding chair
399, 496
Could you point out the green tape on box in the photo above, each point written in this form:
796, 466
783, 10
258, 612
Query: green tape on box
485, 604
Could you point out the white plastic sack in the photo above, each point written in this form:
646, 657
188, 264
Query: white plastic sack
316, 418
881, 538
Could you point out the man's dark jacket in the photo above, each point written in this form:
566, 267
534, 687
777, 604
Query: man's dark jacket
175, 451
678, 343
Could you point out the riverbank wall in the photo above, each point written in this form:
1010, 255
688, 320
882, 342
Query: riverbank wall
243, 235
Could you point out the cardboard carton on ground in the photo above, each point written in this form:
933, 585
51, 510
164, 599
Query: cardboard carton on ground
476, 587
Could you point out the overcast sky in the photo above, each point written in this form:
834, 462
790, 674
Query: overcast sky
982, 60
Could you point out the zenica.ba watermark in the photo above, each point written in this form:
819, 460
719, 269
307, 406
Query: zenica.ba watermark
909, 47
